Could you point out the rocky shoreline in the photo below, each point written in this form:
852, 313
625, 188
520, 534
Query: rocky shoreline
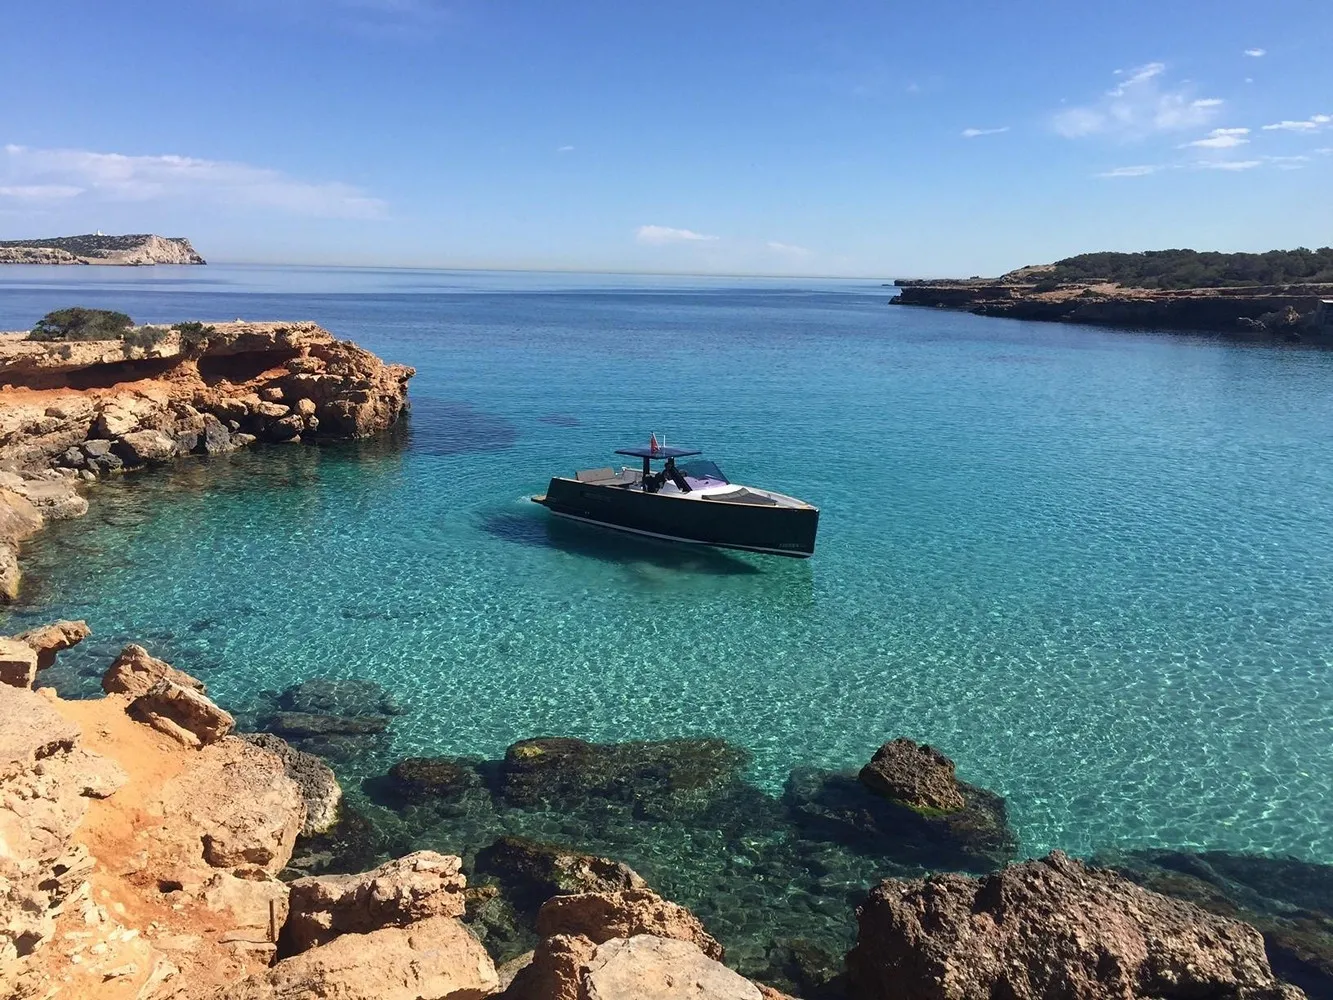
154, 844
1282, 313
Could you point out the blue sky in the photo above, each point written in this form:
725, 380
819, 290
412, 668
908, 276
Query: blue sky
875, 139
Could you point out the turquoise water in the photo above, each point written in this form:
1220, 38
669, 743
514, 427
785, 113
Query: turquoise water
1091, 566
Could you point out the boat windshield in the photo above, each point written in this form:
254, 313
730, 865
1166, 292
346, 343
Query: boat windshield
702, 472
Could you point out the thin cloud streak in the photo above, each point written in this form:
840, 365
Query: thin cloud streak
1256, 53
117, 177
657, 236
972, 133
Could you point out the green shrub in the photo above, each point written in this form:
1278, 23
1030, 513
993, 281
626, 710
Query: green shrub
194, 335
146, 337
77, 323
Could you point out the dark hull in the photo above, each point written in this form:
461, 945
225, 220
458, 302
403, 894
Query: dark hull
785, 531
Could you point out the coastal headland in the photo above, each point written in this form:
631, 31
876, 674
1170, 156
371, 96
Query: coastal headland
1244, 296
96, 248
152, 848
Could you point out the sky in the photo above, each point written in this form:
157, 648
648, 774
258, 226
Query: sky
884, 140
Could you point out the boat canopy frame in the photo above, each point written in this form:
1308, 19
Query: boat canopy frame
653, 482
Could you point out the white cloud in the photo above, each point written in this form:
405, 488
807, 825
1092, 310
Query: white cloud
787, 248
1221, 138
1310, 124
120, 177
662, 235
1287, 162
1325, 150
1228, 164
564, 149
40, 192
1256, 53
972, 133
1143, 170
1138, 106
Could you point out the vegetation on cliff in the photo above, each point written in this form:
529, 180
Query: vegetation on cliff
1176, 269
78, 323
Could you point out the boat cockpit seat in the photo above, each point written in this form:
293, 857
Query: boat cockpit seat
595, 475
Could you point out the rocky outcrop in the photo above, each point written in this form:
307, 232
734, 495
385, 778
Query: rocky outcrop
417, 887
1279, 312
319, 786
435, 958
1050, 930
48, 640
81, 410
94, 248
623, 945
136, 671
531, 872
182, 713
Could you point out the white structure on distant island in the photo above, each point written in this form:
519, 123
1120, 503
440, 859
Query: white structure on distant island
99, 233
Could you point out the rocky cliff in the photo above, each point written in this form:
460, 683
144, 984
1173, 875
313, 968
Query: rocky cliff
1289, 313
95, 248
72, 412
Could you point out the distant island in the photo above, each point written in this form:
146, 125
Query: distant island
96, 248
1280, 295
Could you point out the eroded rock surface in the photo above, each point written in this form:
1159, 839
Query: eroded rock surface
1052, 929
135, 672
417, 887
915, 775
319, 785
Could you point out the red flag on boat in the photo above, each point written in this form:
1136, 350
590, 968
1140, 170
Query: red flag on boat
652, 442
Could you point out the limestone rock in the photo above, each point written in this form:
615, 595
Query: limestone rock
182, 713
241, 807
56, 500
48, 640
1049, 930
532, 872
10, 574
652, 968
605, 915
135, 672
257, 906
421, 778
18, 663
319, 785
410, 889
146, 447
916, 775
434, 958
216, 439
30, 730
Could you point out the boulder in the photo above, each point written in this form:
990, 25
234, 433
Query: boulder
56, 500
319, 785
413, 888
531, 872
216, 438
149, 447
652, 968
257, 906
182, 713
914, 775
30, 730
48, 640
10, 575
237, 805
659, 777
18, 663
1050, 930
600, 916
435, 958
135, 672
288, 428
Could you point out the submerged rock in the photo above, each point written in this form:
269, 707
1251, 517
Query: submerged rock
310, 724
342, 697
661, 777
418, 778
531, 872
1050, 930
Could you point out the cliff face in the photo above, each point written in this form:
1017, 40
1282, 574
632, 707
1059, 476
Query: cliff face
95, 248
1278, 312
73, 412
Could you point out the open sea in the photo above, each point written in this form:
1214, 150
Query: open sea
1092, 566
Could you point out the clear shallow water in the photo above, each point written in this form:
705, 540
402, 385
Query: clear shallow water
1091, 566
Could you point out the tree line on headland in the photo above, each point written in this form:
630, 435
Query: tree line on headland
1174, 269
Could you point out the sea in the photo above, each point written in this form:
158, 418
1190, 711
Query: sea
1092, 566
